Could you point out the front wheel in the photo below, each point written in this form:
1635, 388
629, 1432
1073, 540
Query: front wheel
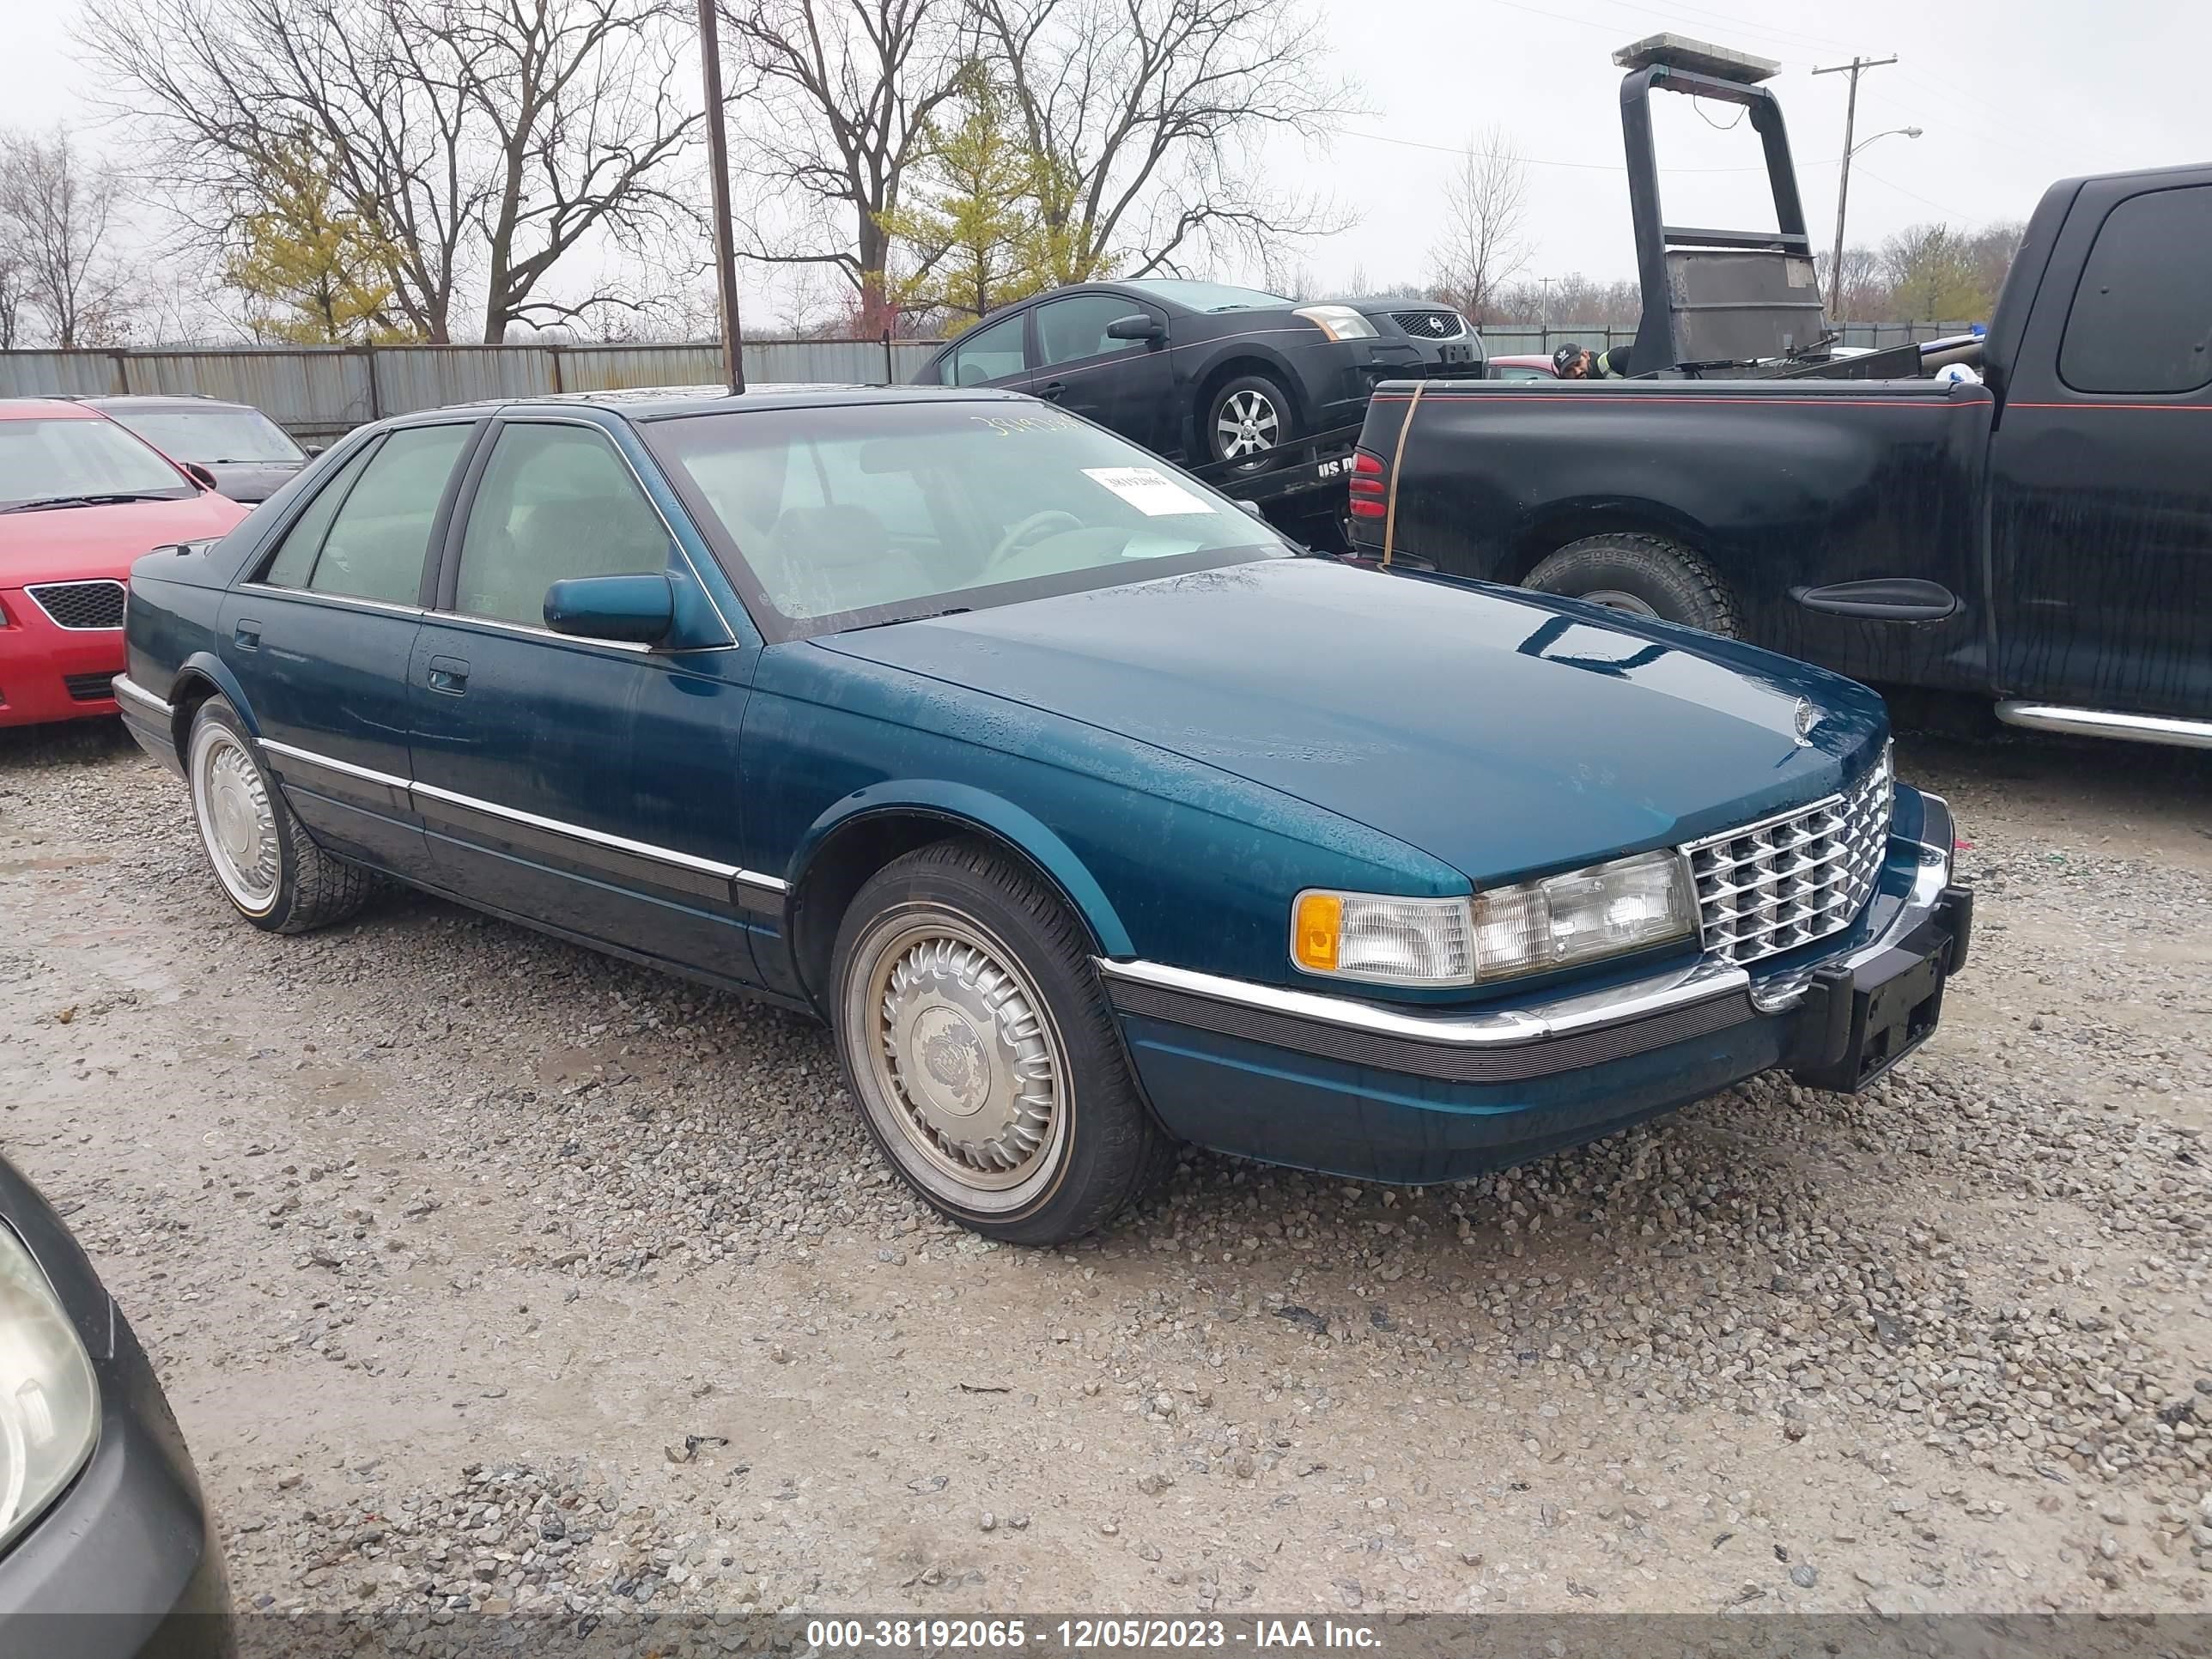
1246, 418
980, 1050
1644, 575
271, 872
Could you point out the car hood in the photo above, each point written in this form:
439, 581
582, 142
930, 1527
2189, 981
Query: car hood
252, 481
1502, 732
65, 541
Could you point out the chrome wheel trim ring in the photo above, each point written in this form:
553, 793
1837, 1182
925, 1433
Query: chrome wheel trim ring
958, 1061
1246, 423
237, 820
1615, 599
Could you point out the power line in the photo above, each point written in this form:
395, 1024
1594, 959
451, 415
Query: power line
1540, 161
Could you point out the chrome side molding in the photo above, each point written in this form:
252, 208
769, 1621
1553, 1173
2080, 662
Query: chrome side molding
129, 690
2107, 723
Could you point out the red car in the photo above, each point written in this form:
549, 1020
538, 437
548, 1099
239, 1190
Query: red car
79, 499
1530, 367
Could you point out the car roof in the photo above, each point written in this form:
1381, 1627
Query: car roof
660, 402
44, 409
161, 400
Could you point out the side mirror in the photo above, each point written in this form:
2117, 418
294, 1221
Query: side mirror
199, 475
634, 610
1137, 327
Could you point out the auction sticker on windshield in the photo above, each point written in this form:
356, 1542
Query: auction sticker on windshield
1152, 493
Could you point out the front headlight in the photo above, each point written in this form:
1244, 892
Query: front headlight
1532, 927
49, 1400
1337, 322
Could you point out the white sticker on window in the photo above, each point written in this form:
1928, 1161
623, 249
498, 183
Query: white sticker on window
1152, 492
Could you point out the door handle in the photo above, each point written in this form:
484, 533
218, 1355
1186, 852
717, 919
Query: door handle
1051, 390
247, 635
449, 675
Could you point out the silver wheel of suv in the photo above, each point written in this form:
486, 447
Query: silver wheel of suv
960, 1065
238, 823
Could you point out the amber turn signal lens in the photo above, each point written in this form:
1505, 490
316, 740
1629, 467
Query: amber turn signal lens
1320, 924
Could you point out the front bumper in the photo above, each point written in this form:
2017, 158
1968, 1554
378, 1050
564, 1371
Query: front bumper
1393, 1094
52, 673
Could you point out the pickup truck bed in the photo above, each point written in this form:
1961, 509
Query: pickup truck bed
2044, 540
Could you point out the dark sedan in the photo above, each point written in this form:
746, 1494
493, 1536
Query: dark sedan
105, 1546
1202, 372
247, 453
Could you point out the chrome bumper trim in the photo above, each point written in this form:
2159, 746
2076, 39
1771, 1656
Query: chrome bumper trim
129, 690
1541, 1022
2107, 723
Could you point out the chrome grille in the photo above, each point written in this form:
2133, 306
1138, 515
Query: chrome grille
79, 606
1430, 324
1773, 886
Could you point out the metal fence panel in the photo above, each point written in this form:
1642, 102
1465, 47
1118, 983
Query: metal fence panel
317, 392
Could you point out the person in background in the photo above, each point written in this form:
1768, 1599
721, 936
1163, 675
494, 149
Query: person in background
1574, 362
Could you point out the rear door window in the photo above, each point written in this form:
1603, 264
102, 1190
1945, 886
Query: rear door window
2142, 317
990, 351
296, 553
376, 542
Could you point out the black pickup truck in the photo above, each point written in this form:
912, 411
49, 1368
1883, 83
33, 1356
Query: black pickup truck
2044, 539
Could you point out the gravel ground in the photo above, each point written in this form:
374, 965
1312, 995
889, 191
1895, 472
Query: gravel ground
486, 1273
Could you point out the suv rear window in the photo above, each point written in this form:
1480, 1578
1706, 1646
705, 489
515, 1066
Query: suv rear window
2141, 318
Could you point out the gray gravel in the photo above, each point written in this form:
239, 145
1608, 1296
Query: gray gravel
483, 1272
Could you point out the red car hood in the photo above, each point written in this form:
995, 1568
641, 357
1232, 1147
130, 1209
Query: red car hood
65, 543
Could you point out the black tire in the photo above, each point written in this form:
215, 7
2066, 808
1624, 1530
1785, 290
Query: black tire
952, 921
262, 861
1245, 394
1647, 575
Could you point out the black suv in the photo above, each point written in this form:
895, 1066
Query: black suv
1201, 372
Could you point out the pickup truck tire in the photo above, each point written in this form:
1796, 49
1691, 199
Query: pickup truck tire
980, 1048
1645, 575
1244, 418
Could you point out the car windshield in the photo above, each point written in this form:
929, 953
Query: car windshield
216, 436
65, 457
1210, 296
852, 516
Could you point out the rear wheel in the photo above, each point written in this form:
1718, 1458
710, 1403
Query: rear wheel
1644, 575
980, 1050
1246, 418
271, 872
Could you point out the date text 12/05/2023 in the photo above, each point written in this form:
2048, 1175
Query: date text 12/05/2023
1076, 1635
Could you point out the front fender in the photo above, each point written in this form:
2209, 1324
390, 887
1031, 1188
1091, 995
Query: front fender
964, 804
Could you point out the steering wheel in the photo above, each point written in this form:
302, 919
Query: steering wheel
1028, 530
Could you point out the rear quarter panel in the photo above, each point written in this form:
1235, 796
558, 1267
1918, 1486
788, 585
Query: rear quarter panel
1781, 485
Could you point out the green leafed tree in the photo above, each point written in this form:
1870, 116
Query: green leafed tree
312, 270
972, 230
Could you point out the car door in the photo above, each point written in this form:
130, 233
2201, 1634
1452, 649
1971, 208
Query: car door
320, 636
1128, 386
586, 785
2101, 501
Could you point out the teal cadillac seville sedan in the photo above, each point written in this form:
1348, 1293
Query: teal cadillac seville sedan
1091, 816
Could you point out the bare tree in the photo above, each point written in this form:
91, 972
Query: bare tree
1146, 115
834, 110
481, 139
56, 212
1486, 216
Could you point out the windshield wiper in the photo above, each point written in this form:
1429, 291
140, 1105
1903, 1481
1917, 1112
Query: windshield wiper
925, 616
107, 499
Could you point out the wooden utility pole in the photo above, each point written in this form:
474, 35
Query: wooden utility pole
1854, 69
718, 156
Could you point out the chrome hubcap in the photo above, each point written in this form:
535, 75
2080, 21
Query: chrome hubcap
1247, 424
1621, 601
238, 824
963, 1060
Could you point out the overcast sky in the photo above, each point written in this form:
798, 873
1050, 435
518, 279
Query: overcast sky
2009, 94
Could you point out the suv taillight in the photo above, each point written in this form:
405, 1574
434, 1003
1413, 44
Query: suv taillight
1367, 481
